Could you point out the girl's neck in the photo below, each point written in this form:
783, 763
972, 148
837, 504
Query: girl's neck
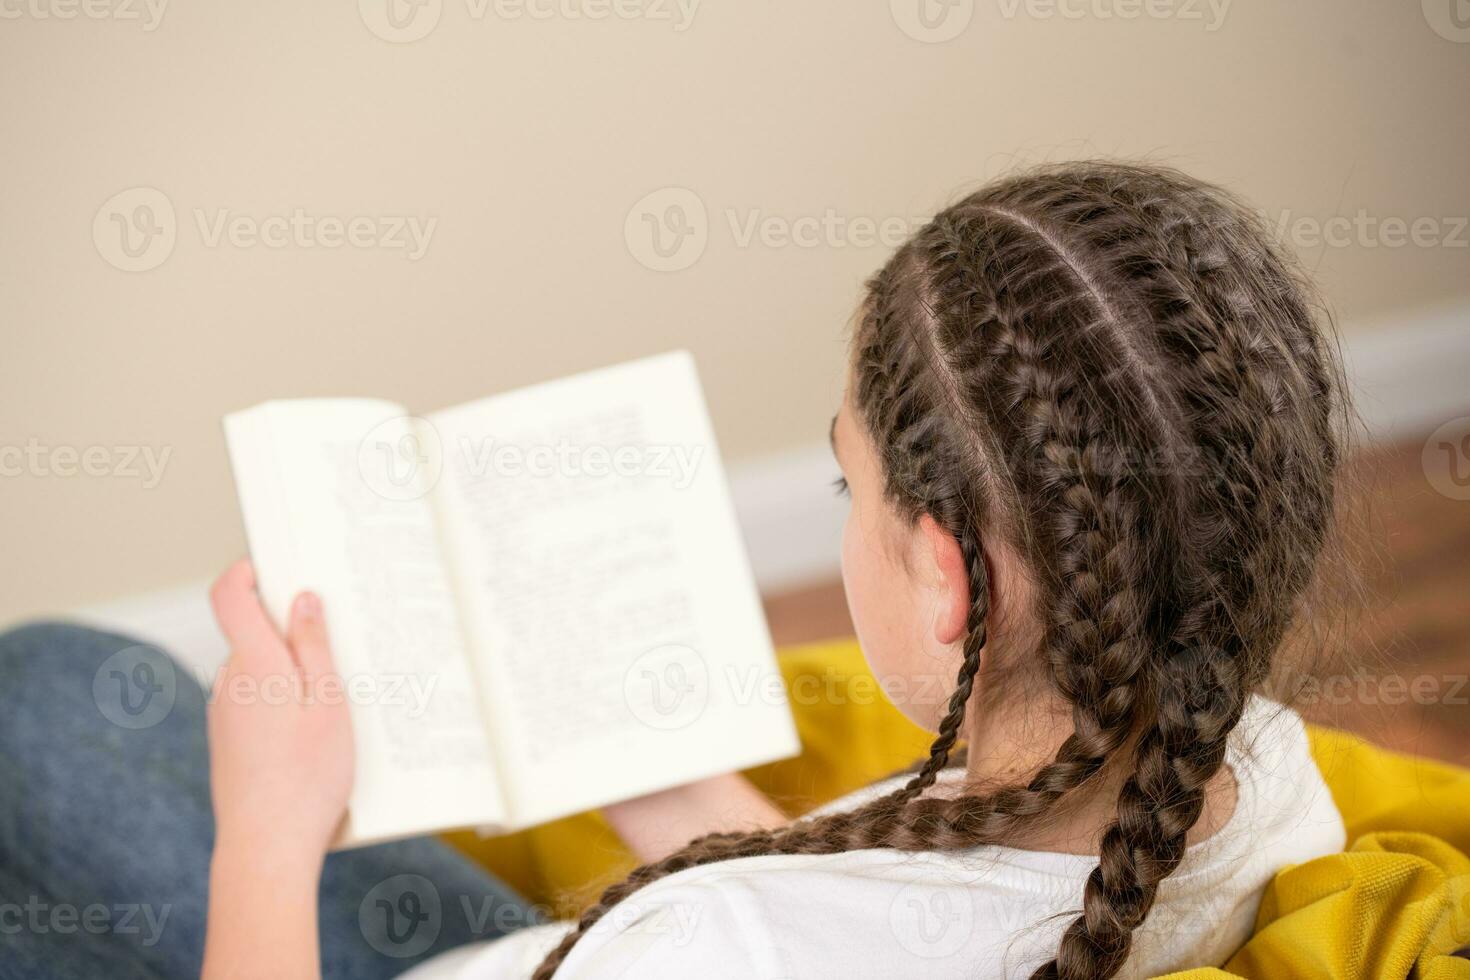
1008, 747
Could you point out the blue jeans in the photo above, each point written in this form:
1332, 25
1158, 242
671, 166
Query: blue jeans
106, 830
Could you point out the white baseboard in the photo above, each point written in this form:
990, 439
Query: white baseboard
1409, 375
791, 516
1410, 372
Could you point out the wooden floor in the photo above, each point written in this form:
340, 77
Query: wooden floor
1398, 667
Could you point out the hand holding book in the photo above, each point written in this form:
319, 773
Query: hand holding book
539, 602
280, 768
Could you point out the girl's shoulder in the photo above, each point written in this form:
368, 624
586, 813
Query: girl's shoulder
1281, 795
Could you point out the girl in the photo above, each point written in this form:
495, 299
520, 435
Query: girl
1090, 434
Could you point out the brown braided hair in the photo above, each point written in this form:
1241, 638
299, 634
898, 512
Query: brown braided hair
1113, 369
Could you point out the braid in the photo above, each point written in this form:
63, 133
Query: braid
1098, 641
1230, 614
1157, 806
1014, 365
1094, 633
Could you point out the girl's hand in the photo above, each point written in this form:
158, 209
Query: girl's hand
280, 740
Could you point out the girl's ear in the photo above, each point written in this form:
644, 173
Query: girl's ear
953, 581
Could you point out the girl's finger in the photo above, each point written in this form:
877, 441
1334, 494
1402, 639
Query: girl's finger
307, 636
254, 642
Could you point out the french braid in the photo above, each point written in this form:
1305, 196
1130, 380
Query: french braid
1112, 369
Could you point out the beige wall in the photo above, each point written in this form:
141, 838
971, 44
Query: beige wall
529, 140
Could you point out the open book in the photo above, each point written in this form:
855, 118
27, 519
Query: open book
538, 603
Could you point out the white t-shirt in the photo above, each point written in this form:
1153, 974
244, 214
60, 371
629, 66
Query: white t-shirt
989, 912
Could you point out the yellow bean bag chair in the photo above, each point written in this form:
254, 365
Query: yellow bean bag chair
1395, 904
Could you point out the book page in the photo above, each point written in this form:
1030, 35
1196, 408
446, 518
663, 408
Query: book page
605, 590
334, 494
